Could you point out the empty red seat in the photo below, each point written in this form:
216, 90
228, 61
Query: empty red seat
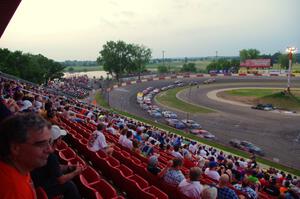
154, 191
105, 189
63, 145
135, 185
119, 175
90, 175
67, 154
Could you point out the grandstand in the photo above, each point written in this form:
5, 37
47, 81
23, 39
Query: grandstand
126, 173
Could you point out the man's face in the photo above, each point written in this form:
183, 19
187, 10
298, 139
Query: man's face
35, 151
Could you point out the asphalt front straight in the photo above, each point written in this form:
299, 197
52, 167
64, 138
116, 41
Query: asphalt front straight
275, 133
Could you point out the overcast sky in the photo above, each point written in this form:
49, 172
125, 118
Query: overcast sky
77, 29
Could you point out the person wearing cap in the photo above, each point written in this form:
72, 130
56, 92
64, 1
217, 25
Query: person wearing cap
54, 178
26, 106
152, 165
211, 171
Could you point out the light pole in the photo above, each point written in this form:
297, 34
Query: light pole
290, 50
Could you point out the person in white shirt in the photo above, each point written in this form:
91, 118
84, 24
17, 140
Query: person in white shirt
127, 140
123, 133
192, 187
211, 171
97, 141
176, 153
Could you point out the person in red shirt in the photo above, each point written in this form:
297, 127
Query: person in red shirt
24, 146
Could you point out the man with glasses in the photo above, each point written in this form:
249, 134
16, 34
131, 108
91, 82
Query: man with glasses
24, 146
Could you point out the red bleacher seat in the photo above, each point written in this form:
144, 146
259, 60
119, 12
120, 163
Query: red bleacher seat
105, 189
90, 175
134, 186
63, 145
67, 154
154, 191
77, 160
119, 174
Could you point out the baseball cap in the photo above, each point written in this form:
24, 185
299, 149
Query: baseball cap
26, 104
212, 164
56, 132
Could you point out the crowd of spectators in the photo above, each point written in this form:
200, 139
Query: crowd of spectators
77, 86
27, 142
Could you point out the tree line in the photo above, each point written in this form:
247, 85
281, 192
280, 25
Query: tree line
35, 68
78, 63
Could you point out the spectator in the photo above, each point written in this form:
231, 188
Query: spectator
188, 161
173, 175
153, 165
272, 189
245, 188
97, 141
212, 171
175, 153
224, 192
209, 192
127, 140
192, 187
24, 146
55, 178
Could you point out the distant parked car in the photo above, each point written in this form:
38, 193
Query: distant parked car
246, 146
265, 107
191, 124
155, 113
203, 133
209, 81
175, 123
193, 83
169, 114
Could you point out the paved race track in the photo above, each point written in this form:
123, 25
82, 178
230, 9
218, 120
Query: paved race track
275, 133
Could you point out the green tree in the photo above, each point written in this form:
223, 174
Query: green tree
162, 69
189, 67
71, 69
34, 68
141, 55
249, 54
283, 60
220, 64
115, 57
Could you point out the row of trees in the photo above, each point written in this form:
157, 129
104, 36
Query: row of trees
120, 58
224, 64
35, 68
78, 63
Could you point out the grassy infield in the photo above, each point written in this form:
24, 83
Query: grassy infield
170, 98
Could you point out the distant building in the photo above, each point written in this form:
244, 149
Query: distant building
254, 66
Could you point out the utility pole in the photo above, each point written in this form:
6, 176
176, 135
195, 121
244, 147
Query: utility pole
290, 50
163, 57
216, 55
